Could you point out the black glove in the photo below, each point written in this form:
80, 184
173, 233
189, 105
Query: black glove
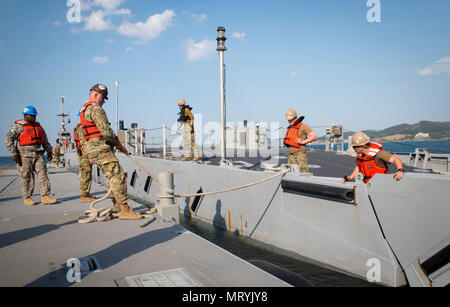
49, 156
79, 152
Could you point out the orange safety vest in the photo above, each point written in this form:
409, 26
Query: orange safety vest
292, 135
77, 140
90, 130
367, 164
33, 134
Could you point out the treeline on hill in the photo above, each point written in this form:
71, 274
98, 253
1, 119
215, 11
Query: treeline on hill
436, 130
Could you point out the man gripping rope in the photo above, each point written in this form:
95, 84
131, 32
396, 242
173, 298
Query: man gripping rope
100, 143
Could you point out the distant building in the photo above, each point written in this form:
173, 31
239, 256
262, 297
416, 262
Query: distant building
421, 135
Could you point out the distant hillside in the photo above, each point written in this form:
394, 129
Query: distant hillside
436, 130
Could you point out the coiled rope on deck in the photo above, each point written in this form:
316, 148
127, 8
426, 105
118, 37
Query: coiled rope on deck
97, 215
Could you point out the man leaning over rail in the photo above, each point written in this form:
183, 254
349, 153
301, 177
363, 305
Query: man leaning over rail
372, 159
100, 143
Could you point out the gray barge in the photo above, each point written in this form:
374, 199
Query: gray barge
394, 233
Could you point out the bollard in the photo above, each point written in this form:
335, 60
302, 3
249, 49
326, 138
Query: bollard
166, 206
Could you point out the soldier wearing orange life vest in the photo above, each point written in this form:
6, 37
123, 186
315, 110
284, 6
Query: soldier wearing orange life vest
27, 141
298, 135
100, 144
84, 166
372, 159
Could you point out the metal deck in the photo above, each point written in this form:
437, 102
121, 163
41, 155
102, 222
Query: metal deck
36, 243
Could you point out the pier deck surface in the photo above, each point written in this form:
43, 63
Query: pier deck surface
36, 243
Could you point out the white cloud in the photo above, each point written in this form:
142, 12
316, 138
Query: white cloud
121, 12
128, 49
239, 35
198, 17
87, 5
109, 41
441, 66
100, 60
57, 23
201, 50
443, 60
150, 29
294, 74
109, 4
96, 22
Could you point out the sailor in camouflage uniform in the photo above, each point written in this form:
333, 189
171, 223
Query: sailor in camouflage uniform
100, 144
57, 154
84, 166
29, 155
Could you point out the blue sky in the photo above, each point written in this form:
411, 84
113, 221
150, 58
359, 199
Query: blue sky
323, 58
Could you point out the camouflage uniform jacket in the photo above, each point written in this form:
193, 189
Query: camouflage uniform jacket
95, 114
13, 135
78, 131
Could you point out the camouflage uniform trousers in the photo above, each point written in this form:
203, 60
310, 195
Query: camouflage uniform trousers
189, 141
33, 162
57, 160
115, 176
300, 158
85, 174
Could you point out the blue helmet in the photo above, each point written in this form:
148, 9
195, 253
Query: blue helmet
30, 110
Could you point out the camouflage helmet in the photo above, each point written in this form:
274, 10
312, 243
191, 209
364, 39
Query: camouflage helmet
291, 114
360, 139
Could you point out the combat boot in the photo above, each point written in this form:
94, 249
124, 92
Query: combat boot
47, 200
116, 208
87, 199
28, 202
196, 159
185, 159
126, 213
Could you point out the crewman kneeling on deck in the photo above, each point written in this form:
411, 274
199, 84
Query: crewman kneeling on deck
84, 166
100, 143
187, 119
29, 155
372, 159
298, 135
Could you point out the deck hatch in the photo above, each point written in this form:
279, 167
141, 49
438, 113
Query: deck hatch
171, 278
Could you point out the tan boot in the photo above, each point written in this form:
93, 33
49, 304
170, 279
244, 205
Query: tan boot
185, 159
28, 202
87, 199
116, 208
196, 159
126, 213
47, 200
